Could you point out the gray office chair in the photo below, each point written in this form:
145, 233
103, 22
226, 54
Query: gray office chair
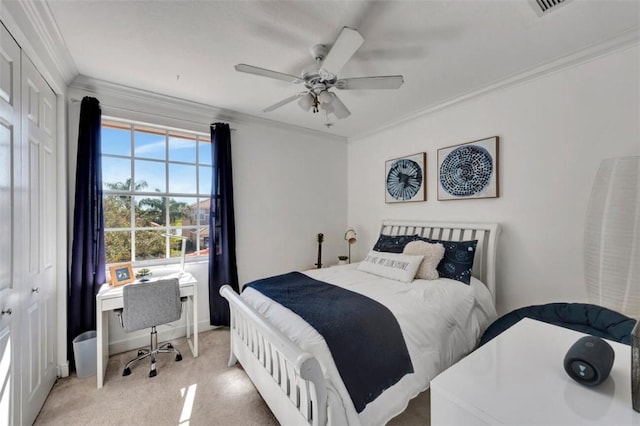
150, 304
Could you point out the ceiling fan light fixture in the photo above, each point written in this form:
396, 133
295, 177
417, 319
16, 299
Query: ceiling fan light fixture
306, 102
339, 109
325, 97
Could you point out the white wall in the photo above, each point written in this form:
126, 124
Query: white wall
553, 131
289, 185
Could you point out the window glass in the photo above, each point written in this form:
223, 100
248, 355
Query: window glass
204, 180
204, 152
181, 211
145, 195
182, 149
201, 212
116, 173
150, 176
150, 245
150, 144
182, 179
151, 211
117, 246
117, 210
116, 141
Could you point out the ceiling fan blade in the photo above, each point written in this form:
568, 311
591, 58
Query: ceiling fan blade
364, 83
339, 109
284, 102
342, 50
250, 69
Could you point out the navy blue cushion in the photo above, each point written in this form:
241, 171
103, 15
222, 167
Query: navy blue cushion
586, 318
394, 244
456, 264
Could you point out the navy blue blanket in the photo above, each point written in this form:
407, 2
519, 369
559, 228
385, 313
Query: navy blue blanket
363, 336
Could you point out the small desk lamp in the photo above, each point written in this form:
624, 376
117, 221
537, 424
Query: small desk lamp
350, 238
182, 252
612, 248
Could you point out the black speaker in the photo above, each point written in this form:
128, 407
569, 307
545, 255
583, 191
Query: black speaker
589, 360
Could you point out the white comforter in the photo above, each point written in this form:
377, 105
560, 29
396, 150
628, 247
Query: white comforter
441, 322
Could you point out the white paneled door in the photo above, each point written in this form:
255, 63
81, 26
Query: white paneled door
27, 230
38, 319
9, 192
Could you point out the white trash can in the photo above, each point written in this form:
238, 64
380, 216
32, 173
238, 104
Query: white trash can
84, 351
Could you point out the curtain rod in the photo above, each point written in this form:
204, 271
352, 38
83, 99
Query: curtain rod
74, 100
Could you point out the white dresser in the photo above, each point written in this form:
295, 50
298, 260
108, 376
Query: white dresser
518, 378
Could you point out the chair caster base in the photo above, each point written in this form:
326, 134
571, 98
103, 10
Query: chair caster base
153, 373
126, 371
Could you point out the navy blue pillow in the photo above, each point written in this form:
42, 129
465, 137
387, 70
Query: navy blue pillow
394, 244
457, 262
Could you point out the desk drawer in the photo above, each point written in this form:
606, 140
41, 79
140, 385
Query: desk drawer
111, 304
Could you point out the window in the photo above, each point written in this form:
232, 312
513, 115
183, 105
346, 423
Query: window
156, 184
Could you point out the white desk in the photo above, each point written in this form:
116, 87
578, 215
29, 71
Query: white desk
518, 378
110, 298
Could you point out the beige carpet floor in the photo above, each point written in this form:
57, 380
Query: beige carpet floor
195, 391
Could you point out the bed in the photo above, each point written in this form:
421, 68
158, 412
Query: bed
441, 321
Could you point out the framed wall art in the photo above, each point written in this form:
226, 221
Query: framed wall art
405, 179
468, 170
121, 274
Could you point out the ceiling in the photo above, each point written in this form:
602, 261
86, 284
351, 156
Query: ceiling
445, 49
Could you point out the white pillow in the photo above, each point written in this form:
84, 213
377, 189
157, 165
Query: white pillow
399, 267
433, 254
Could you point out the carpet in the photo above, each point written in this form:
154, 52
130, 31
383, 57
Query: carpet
194, 391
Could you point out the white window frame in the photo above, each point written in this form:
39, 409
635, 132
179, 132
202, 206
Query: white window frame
168, 228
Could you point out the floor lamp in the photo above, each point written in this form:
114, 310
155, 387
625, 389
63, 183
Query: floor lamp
612, 248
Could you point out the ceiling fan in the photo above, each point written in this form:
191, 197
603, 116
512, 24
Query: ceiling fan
322, 75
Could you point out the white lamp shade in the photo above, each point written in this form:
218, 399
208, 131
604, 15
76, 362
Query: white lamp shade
612, 237
325, 97
306, 102
350, 235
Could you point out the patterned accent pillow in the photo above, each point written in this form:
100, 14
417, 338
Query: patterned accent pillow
399, 267
433, 254
395, 243
457, 262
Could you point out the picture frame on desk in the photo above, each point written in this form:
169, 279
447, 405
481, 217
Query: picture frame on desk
121, 274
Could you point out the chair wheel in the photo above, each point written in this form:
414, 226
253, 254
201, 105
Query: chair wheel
140, 352
126, 371
153, 373
179, 357
169, 346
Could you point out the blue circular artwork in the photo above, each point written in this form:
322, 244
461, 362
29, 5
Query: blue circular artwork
404, 179
466, 171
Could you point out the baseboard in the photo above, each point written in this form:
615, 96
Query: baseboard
63, 369
141, 339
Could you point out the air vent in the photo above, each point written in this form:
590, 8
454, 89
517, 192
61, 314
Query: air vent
542, 7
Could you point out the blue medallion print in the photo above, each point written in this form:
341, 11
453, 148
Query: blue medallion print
404, 179
466, 171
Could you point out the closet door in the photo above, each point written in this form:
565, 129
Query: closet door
10, 202
38, 322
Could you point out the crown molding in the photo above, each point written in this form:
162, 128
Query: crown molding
124, 98
47, 29
32, 25
625, 40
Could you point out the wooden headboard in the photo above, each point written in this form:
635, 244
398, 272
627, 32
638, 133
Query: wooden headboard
484, 262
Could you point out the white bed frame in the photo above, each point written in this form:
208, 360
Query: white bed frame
289, 379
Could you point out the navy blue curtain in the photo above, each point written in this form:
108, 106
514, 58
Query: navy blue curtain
222, 227
88, 254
